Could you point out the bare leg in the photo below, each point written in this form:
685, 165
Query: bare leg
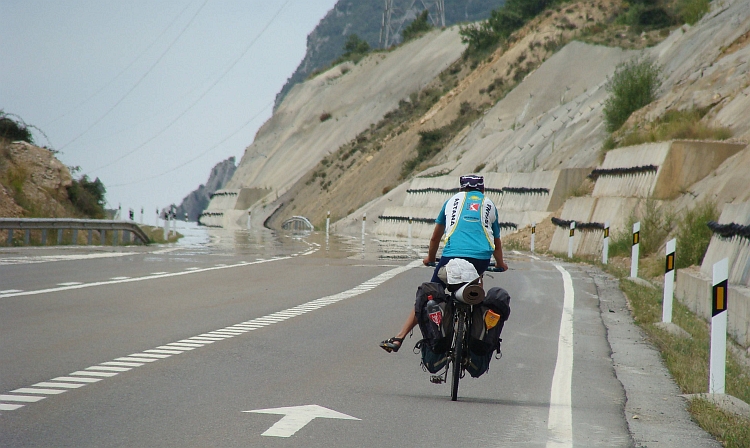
410, 323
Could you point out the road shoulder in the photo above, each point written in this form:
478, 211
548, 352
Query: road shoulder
656, 414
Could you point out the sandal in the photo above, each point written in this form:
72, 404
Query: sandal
392, 344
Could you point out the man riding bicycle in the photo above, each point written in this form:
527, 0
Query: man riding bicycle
468, 226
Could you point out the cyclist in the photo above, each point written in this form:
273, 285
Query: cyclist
468, 225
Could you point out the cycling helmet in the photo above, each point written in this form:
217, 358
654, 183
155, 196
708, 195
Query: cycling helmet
472, 181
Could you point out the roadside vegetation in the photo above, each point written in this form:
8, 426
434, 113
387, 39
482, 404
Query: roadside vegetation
633, 85
83, 198
417, 27
686, 358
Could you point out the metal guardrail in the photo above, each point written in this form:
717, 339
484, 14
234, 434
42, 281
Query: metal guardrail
61, 224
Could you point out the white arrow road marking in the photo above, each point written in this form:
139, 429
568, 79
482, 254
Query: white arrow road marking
296, 417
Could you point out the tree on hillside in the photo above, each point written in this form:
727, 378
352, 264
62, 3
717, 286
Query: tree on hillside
502, 23
419, 26
355, 45
88, 196
13, 130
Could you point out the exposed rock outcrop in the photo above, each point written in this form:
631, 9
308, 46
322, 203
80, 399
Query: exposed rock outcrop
194, 203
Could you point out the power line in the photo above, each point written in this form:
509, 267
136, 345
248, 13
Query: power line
173, 169
141, 79
111, 81
234, 63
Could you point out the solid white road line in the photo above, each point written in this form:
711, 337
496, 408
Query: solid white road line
560, 420
10, 291
69, 284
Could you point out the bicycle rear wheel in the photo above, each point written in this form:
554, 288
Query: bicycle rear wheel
458, 355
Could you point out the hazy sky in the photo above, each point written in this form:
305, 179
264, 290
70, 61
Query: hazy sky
149, 95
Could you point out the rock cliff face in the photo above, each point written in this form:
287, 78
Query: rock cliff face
33, 183
194, 203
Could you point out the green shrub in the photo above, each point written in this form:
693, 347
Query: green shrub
633, 86
676, 125
691, 11
88, 197
14, 130
693, 234
485, 36
354, 50
419, 26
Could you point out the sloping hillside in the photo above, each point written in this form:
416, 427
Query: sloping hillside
363, 18
33, 182
535, 104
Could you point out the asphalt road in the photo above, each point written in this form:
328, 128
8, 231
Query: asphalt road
174, 347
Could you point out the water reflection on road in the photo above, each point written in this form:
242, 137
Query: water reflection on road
264, 243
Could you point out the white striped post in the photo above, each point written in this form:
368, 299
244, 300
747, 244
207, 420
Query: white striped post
328, 223
409, 231
533, 236
141, 214
666, 313
635, 250
364, 220
570, 239
605, 246
718, 359
157, 218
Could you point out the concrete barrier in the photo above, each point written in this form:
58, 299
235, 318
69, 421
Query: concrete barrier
521, 198
693, 284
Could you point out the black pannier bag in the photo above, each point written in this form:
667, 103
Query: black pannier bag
488, 320
437, 330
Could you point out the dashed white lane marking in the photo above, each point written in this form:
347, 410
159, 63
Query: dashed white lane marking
560, 420
192, 269
119, 278
159, 273
66, 284
11, 291
104, 370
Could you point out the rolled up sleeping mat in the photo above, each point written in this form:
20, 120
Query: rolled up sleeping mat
471, 293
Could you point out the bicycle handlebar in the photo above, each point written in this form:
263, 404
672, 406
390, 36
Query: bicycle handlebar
491, 268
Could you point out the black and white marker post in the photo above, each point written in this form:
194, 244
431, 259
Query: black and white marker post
364, 220
409, 232
570, 239
635, 250
718, 360
533, 235
666, 313
605, 245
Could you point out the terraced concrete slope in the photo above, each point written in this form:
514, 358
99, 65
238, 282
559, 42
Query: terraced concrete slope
320, 115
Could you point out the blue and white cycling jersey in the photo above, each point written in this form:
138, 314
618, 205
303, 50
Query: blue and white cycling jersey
471, 225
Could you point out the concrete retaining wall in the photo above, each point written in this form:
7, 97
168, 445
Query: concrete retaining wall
737, 249
425, 196
693, 286
679, 163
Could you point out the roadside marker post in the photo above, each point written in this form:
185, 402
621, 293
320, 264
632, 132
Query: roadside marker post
605, 246
249, 216
666, 315
141, 214
533, 235
570, 239
328, 223
409, 232
364, 220
718, 359
157, 217
635, 250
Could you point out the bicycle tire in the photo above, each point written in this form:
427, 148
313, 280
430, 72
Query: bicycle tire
458, 354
